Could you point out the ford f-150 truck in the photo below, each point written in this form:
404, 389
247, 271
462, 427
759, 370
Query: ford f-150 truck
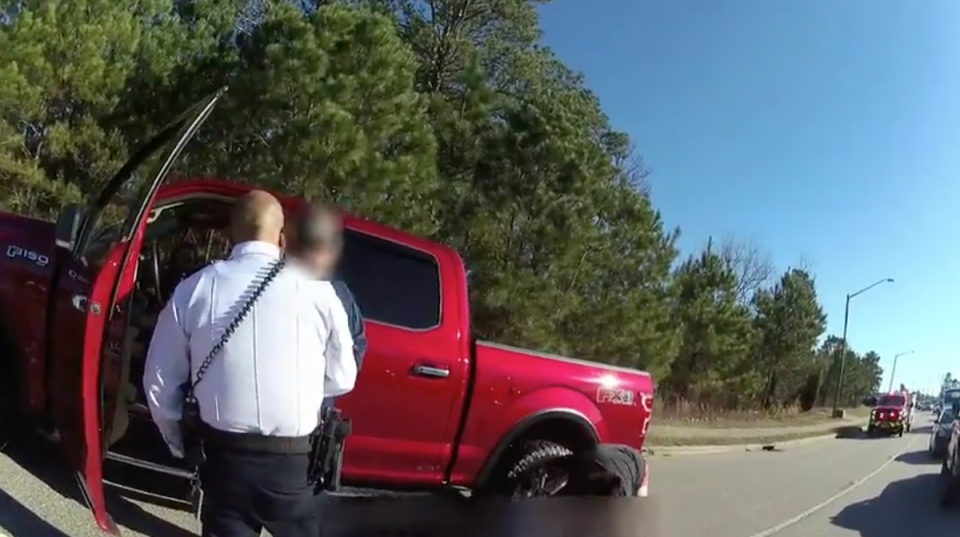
433, 407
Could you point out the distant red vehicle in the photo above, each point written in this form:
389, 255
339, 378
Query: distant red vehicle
892, 415
433, 407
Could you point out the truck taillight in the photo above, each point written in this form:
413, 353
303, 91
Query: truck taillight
646, 401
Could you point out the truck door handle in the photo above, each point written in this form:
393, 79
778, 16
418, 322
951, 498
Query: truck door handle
429, 371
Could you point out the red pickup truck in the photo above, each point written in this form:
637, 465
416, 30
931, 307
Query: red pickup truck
432, 408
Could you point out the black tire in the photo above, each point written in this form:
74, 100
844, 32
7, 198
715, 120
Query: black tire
948, 487
539, 472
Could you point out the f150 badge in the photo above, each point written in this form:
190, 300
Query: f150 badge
16, 252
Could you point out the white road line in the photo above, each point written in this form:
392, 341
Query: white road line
790, 522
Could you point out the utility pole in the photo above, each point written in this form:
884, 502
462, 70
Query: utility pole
893, 372
843, 343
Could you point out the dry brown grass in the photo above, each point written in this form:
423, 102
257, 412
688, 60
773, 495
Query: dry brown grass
683, 413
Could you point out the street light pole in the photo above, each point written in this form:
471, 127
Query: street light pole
843, 341
893, 371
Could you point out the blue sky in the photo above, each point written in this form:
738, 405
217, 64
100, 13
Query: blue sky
821, 129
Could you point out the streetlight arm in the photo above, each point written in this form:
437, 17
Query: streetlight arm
843, 342
869, 287
893, 372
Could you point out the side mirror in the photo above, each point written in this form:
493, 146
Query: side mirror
68, 226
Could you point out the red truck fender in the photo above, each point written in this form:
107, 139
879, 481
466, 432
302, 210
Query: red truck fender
558, 414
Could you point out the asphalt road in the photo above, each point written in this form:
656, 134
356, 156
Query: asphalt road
881, 487
856, 487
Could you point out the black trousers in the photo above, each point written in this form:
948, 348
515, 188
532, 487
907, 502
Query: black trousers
245, 492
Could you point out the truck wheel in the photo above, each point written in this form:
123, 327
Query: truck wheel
539, 472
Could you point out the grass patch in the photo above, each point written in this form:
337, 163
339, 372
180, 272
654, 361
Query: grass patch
683, 414
843, 431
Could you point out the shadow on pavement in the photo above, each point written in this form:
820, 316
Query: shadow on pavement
926, 429
850, 431
877, 436
923, 457
908, 506
435, 516
16, 519
46, 463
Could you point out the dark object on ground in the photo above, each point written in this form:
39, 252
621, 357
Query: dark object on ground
850, 431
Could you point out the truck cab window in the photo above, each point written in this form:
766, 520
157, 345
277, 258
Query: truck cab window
392, 283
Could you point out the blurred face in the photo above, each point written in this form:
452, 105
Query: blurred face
322, 261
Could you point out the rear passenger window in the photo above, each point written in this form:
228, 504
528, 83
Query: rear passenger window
392, 283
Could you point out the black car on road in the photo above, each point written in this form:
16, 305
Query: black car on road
950, 468
940, 434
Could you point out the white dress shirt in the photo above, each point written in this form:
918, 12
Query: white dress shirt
290, 351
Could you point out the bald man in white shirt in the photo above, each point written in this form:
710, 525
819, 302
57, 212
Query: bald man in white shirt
260, 393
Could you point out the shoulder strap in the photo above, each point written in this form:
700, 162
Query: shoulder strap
232, 327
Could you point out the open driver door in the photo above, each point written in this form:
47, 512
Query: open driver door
98, 248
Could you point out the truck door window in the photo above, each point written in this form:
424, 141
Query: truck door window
112, 214
392, 283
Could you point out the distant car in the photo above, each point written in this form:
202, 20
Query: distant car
940, 434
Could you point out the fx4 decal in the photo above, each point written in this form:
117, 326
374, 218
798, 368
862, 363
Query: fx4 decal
16, 252
615, 396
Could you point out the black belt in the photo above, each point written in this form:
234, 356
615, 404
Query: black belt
258, 443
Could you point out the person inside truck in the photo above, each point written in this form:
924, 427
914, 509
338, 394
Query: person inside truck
317, 242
